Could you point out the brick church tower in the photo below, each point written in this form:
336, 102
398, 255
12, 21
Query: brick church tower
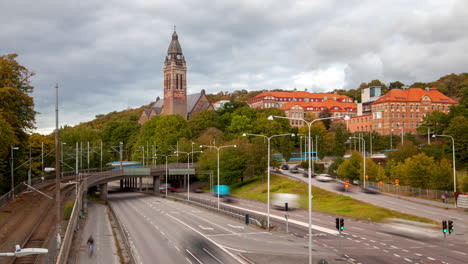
175, 80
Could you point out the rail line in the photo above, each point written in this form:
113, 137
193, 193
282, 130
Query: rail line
40, 233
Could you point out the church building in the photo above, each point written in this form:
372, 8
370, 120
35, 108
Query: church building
176, 101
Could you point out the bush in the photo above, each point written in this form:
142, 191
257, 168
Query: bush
67, 210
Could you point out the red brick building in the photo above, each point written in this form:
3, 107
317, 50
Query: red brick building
278, 99
402, 110
359, 123
300, 109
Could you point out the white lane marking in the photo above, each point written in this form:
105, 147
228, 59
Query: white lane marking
383, 244
386, 251
238, 234
233, 226
431, 258
205, 228
405, 250
193, 256
212, 256
291, 221
188, 260
356, 228
177, 248
409, 260
209, 239
417, 254
459, 252
396, 255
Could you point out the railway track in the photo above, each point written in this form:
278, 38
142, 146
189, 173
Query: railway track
40, 233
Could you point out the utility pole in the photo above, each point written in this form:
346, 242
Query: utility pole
30, 166
76, 160
81, 154
428, 136
101, 155
42, 158
120, 152
57, 167
88, 156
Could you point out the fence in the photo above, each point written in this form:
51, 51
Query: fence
412, 191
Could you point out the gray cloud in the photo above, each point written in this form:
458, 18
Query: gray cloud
108, 55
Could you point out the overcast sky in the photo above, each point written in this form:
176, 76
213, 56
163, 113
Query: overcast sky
108, 55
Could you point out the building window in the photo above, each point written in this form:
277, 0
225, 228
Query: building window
411, 107
417, 115
398, 107
403, 115
391, 107
417, 107
426, 107
411, 115
392, 115
397, 115
403, 107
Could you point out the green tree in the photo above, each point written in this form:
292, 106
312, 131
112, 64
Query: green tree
458, 130
16, 103
204, 120
396, 85
351, 168
436, 122
408, 149
163, 131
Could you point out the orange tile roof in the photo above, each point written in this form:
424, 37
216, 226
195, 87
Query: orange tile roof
328, 104
301, 94
414, 95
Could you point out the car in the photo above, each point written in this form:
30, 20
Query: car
305, 173
294, 170
370, 190
324, 178
198, 190
284, 167
173, 189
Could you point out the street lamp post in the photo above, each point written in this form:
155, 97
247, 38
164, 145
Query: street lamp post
364, 156
166, 156
218, 149
13, 172
188, 167
268, 169
402, 136
454, 169
391, 139
309, 125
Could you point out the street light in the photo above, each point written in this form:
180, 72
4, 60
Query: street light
268, 169
454, 169
12, 173
364, 156
218, 149
188, 167
309, 125
166, 156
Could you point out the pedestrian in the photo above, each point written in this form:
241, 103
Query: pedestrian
444, 197
90, 244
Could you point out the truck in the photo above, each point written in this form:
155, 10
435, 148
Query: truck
223, 190
280, 199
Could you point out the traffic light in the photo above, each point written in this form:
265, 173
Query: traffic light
337, 223
450, 226
444, 227
341, 224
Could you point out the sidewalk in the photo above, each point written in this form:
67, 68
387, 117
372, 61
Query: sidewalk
98, 225
419, 200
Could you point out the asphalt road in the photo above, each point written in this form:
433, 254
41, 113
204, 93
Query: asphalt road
165, 231
362, 242
396, 204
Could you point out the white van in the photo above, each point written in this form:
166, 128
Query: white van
280, 199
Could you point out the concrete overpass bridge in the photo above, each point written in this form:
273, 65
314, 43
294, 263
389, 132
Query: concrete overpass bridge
129, 177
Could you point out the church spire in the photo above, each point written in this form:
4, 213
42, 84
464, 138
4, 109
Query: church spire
174, 47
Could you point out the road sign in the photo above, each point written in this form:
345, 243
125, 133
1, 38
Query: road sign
181, 171
367, 177
397, 182
380, 182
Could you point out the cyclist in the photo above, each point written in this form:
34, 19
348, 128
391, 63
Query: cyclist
90, 244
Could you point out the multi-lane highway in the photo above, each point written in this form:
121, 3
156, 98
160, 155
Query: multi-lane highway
362, 242
165, 231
